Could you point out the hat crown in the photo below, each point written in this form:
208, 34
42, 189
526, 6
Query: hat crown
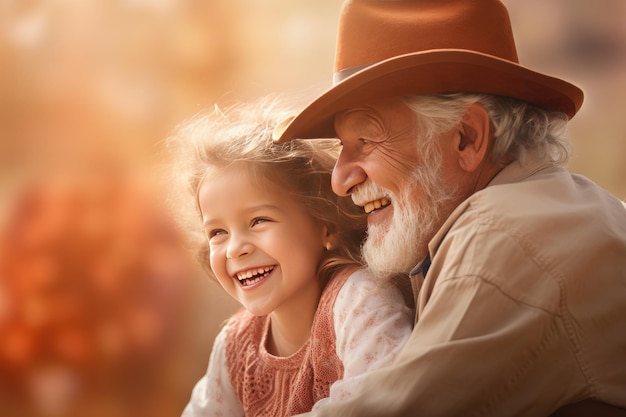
372, 31
389, 48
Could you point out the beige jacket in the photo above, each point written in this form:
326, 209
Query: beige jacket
522, 310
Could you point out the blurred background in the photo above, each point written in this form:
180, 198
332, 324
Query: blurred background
102, 311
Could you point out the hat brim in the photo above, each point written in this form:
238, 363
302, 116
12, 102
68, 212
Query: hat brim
431, 72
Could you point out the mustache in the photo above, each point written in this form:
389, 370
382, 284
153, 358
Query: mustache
369, 191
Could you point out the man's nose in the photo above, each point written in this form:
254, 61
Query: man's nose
346, 175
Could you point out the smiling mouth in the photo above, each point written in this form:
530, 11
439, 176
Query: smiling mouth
376, 204
254, 275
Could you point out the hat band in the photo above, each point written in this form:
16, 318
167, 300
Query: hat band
339, 76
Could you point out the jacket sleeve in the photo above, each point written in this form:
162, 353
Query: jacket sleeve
480, 347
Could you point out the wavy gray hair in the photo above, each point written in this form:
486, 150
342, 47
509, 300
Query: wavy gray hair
518, 127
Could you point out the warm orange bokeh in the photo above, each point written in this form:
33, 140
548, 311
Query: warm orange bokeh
100, 312
95, 282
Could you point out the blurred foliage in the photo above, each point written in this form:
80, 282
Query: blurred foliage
95, 283
101, 311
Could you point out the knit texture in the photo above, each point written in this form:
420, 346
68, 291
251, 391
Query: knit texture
270, 386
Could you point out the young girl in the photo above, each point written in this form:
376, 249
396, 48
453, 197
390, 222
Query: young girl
280, 242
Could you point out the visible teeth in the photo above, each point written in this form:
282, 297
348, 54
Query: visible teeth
376, 204
250, 281
246, 277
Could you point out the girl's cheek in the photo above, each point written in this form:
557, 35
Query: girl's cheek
214, 258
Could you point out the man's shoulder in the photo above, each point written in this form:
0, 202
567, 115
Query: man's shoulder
554, 192
535, 212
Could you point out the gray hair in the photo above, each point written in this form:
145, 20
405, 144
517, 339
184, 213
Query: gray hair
517, 127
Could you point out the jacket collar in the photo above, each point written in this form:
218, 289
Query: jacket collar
512, 173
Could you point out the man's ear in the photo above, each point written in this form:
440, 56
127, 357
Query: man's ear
474, 138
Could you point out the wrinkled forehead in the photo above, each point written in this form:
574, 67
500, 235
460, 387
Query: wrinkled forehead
357, 119
376, 118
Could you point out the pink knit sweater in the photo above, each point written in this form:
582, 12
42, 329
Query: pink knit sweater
271, 386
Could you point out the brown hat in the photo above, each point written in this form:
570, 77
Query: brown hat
407, 47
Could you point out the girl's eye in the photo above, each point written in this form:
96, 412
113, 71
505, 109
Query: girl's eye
215, 232
259, 220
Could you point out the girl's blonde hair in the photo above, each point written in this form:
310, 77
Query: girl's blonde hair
243, 133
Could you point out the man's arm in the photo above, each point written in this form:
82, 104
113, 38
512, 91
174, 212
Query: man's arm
471, 351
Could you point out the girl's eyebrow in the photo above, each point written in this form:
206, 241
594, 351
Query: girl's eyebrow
249, 211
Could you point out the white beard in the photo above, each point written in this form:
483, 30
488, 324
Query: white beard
397, 246
391, 248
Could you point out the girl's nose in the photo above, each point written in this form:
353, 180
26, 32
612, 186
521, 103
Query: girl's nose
238, 247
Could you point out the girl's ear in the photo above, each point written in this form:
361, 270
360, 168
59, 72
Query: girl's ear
474, 138
330, 238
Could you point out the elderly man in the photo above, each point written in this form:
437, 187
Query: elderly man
456, 151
